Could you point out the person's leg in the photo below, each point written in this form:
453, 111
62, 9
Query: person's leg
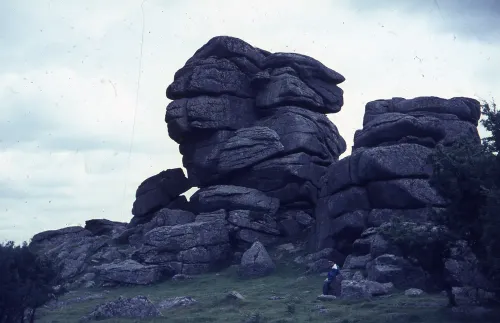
326, 288
452, 302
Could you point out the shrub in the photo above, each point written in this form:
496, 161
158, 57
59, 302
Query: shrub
468, 176
24, 282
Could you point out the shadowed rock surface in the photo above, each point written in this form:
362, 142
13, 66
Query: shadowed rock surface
255, 141
387, 177
241, 114
388, 168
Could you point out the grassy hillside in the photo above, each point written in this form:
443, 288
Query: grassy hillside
294, 301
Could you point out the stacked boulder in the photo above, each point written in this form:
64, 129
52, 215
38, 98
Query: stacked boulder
162, 190
255, 140
387, 174
249, 119
387, 177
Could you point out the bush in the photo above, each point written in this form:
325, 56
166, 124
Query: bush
24, 282
467, 174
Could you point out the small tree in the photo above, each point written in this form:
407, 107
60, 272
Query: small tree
24, 282
468, 176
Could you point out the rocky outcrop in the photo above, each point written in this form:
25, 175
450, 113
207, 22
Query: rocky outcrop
386, 178
255, 140
72, 250
246, 117
387, 173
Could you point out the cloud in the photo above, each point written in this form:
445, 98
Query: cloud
476, 19
64, 110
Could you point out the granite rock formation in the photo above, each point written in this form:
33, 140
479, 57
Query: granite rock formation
246, 117
255, 140
386, 177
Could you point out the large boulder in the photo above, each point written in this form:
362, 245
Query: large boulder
396, 270
466, 109
186, 236
231, 197
138, 307
247, 147
159, 191
191, 248
256, 262
359, 289
168, 217
104, 227
132, 272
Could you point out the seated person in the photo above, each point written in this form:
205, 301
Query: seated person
334, 271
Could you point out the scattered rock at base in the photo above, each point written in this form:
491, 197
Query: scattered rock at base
414, 292
180, 301
234, 295
57, 304
136, 307
327, 298
256, 262
357, 289
181, 277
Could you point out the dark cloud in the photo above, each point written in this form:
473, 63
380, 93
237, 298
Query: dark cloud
477, 19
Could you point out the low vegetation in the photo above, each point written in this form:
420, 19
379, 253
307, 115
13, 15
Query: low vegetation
285, 296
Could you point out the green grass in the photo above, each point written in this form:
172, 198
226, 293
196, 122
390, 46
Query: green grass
298, 305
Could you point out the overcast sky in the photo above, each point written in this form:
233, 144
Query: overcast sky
70, 86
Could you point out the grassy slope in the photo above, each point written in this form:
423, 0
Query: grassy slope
299, 303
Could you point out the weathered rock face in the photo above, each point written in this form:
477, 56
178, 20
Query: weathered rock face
387, 173
256, 262
139, 307
252, 129
75, 251
160, 191
250, 118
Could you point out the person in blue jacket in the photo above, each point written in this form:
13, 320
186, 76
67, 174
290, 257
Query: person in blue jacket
334, 271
